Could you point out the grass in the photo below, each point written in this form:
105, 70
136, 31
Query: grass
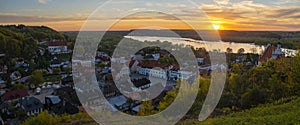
282, 112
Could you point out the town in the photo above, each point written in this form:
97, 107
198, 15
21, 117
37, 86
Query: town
44, 81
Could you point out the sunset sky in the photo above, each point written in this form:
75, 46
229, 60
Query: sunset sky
70, 15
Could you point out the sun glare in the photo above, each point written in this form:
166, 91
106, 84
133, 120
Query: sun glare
216, 27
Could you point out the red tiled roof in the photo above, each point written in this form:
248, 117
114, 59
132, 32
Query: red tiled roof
267, 53
154, 63
57, 43
15, 94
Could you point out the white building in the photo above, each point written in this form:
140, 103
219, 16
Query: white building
164, 73
57, 47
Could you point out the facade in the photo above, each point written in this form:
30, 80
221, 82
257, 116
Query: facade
164, 71
31, 105
57, 47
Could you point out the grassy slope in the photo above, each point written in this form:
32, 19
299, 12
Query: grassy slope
282, 112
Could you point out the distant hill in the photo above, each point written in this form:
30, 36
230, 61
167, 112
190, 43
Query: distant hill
282, 112
40, 33
288, 39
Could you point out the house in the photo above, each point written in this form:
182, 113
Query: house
52, 100
200, 60
15, 75
20, 62
164, 71
141, 83
2, 83
117, 101
148, 68
31, 105
3, 69
67, 93
57, 47
63, 100
152, 56
271, 52
58, 105
70, 101
109, 90
67, 81
14, 94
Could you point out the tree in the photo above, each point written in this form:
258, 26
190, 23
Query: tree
56, 70
68, 70
101, 64
241, 51
146, 109
36, 78
229, 50
19, 86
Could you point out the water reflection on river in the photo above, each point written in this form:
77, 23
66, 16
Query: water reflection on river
211, 46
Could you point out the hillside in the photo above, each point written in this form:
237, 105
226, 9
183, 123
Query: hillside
39, 33
22, 41
282, 112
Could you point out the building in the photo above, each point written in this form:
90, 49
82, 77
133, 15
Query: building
152, 56
3, 69
14, 94
164, 71
271, 52
31, 105
2, 83
68, 81
57, 47
15, 75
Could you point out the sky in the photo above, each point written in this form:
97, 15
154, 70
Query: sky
74, 15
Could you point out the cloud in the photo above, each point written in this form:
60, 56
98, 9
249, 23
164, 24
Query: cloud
44, 1
166, 5
150, 16
15, 18
282, 2
253, 14
33, 10
222, 2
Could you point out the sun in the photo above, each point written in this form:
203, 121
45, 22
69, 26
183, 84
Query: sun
216, 27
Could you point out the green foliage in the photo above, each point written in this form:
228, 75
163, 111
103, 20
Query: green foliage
101, 64
19, 86
146, 109
52, 78
167, 59
22, 41
45, 118
40, 33
56, 70
241, 51
68, 70
36, 78
281, 112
